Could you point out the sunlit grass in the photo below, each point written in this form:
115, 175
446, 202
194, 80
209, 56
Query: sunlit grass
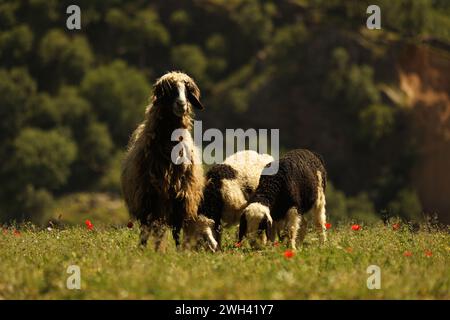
33, 265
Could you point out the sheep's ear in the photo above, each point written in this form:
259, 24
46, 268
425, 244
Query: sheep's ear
194, 101
242, 227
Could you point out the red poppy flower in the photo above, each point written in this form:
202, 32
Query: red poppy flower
428, 253
89, 224
407, 253
349, 250
16, 233
328, 225
276, 244
356, 227
289, 254
130, 224
5, 231
396, 226
237, 244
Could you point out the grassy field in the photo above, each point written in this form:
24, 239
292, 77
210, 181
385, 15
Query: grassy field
33, 265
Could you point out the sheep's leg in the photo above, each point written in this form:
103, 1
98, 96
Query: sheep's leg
279, 230
177, 223
292, 224
158, 230
302, 230
320, 218
145, 233
218, 233
176, 235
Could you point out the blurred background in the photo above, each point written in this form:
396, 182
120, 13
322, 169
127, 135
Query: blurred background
374, 103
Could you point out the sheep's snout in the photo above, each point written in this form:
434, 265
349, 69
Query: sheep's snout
255, 219
200, 232
180, 108
180, 105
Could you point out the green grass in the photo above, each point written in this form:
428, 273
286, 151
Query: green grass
33, 266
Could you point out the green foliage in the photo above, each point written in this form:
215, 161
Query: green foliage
137, 34
15, 44
110, 181
352, 84
65, 59
94, 156
180, 19
340, 207
16, 88
406, 204
119, 94
286, 44
190, 59
42, 158
410, 17
35, 205
253, 19
376, 121
69, 100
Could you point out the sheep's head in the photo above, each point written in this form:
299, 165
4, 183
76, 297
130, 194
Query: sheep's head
254, 220
199, 231
177, 92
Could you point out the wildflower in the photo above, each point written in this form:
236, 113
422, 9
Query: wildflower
16, 233
276, 244
396, 226
289, 254
407, 253
328, 225
89, 224
428, 253
237, 244
349, 250
130, 224
356, 227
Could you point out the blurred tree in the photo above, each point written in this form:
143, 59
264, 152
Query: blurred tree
17, 89
33, 205
63, 59
15, 45
376, 121
406, 204
94, 157
190, 59
119, 94
42, 158
341, 207
306, 66
351, 85
139, 37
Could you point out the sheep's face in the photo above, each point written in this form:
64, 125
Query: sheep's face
178, 93
254, 220
199, 232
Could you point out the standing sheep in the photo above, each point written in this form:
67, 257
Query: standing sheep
158, 191
229, 186
297, 188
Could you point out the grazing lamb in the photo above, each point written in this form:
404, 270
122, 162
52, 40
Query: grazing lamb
157, 191
229, 186
281, 199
